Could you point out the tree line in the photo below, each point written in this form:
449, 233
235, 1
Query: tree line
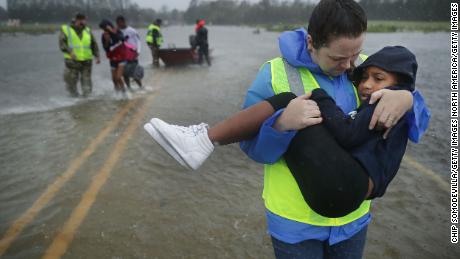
297, 11
229, 12
407, 10
54, 11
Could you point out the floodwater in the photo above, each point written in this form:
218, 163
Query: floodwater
111, 192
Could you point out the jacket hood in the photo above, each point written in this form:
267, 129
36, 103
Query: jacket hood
393, 59
200, 24
293, 47
104, 23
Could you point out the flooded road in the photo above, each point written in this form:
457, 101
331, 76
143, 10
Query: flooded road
83, 180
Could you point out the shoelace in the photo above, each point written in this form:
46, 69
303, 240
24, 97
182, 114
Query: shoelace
199, 129
192, 130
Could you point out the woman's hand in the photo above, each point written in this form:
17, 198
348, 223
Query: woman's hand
392, 106
300, 113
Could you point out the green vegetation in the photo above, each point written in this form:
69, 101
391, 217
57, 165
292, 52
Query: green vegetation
30, 29
228, 12
379, 26
373, 26
54, 11
397, 26
282, 27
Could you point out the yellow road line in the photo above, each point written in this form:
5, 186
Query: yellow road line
66, 235
18, 225
421, 168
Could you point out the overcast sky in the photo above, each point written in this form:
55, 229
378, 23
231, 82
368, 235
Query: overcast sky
157, 4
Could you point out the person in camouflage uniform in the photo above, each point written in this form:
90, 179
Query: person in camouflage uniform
77, 43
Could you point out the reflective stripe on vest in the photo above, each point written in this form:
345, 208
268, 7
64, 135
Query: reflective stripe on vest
281, 193
149, 37
80, 47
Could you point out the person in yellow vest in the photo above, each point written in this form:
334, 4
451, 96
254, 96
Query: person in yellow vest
78, 44
154, 40
319, 57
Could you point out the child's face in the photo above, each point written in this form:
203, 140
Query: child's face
374, 79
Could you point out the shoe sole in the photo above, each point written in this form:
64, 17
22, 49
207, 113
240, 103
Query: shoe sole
156, 123
156, 135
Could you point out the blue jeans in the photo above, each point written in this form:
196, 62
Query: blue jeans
315, 249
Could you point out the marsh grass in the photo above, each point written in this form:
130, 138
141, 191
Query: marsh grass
380, 26
30, 29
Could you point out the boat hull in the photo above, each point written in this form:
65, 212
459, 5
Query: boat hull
178, 56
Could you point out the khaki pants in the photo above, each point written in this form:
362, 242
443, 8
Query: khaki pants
75, 70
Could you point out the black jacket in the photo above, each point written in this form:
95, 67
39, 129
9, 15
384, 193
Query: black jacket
380, 158
202, 36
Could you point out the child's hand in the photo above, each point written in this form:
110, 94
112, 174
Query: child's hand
392, 106
300, 113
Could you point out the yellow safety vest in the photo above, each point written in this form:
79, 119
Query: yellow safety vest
80, 47
149, 38
281, 193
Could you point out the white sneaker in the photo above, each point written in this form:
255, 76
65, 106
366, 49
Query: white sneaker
127, 95
164, 144
191, 143
119, 95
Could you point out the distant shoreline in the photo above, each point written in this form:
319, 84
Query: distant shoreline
373, 26
379, 26
30, 28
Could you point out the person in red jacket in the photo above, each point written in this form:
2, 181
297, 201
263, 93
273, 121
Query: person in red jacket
114, 46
